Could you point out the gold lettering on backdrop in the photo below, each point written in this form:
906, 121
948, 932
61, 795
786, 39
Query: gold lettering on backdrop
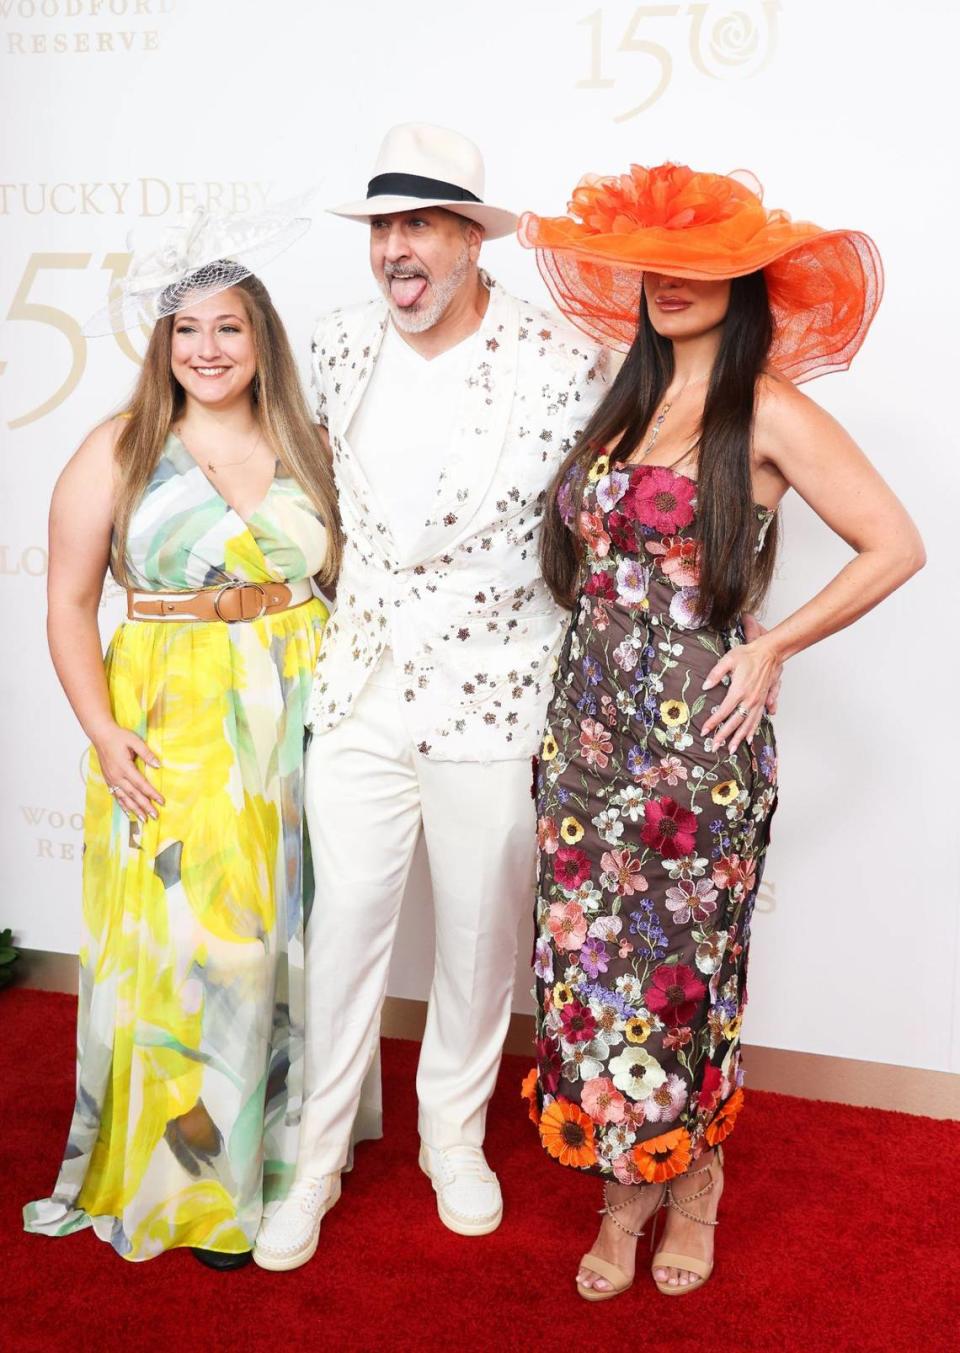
87, 26
766, 898
24, 309
723, 43
146, 196
56, 850
32, 560
44, 824
54, 818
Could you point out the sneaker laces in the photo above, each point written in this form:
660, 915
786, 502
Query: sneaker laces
465, 1162
309, 1193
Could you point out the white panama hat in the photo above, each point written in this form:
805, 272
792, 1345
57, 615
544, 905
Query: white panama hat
420, 165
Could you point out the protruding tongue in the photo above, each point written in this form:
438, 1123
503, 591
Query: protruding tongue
406, 291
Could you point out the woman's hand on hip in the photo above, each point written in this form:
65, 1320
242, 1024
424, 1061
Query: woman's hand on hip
117, 751
752, 629
751, 672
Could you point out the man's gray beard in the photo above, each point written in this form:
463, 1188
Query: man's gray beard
444, 289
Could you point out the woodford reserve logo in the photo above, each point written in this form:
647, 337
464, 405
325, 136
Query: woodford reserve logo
82, 27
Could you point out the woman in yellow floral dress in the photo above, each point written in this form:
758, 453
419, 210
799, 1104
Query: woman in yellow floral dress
191, 999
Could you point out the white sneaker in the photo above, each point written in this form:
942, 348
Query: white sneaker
468, 1192
289, 1237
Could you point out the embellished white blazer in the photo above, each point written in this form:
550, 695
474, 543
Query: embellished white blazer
473, 628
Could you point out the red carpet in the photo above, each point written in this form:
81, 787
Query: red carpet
839, 1232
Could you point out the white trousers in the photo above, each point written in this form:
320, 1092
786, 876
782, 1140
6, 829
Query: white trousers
367, 793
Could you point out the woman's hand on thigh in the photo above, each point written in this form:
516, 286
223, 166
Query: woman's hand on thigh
117, 751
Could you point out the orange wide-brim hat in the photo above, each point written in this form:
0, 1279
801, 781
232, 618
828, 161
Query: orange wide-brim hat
824, 285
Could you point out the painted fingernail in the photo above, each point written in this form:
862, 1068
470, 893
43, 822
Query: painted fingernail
708, 685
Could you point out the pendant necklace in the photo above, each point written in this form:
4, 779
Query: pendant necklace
225, 464
654, 433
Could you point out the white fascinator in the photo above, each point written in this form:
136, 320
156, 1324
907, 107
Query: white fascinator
193, 259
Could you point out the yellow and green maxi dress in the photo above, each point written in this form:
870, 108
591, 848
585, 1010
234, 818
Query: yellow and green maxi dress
190, 1038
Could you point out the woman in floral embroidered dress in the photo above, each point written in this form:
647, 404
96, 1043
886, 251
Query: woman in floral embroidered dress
656, 785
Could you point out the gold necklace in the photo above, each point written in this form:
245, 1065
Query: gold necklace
225, 464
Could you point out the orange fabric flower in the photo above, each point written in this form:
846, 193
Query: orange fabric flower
824, 285
567, 1133
722, 1124
528, 1091
663, 1157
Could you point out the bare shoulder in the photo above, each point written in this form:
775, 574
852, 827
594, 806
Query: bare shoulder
785, 416
90, 468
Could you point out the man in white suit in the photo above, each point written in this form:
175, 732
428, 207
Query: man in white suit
449, 406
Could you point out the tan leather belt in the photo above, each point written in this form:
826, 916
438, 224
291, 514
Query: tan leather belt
231, 603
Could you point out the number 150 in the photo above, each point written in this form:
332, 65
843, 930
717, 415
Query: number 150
25, 309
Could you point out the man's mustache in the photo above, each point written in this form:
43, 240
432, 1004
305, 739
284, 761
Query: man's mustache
392, 270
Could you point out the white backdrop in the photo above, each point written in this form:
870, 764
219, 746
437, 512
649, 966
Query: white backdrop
117, 110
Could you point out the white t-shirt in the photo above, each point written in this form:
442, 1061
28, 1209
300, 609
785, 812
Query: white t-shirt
403, 429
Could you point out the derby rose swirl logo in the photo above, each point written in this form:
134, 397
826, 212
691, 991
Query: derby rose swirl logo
721, 42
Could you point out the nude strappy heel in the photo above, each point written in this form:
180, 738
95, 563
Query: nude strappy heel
619, 1281
688, 1262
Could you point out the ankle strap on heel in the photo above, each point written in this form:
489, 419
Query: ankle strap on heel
670, 1199
609, 1209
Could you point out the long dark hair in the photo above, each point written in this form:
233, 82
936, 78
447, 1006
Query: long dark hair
733, 576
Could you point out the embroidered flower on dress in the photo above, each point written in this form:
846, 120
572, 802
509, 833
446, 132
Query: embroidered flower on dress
571, 831
638, 1029
661, 499
663, 1157
596, 743
528, 1091
722, 1125
611, 489
594, 536
606, 928
543, 960
622, 873
601, 585
568, 925
594, 958
548, 838
667, 1101
577, 1024
571, 867
679, 559
675, 993
636, 1073
669, 829
602, 1101
632, 582
567, 1134
674, 712
691, 901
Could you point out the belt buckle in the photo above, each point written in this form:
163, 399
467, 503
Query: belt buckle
241, 618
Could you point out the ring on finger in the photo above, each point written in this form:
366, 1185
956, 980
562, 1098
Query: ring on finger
743, 710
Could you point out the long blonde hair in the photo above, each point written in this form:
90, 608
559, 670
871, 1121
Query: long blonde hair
158, 401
